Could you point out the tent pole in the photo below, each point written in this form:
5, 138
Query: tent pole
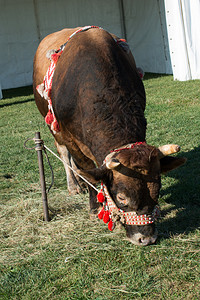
122, 19
39, 149
37, 19
1, 95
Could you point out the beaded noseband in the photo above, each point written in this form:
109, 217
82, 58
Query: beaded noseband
110, 213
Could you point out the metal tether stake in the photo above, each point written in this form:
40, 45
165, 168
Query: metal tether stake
39, 148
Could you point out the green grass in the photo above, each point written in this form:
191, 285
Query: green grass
73, 257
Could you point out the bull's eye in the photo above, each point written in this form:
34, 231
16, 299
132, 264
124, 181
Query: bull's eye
122, 199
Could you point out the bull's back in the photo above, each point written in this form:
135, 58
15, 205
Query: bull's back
41, 62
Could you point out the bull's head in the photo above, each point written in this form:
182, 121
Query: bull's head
133, 179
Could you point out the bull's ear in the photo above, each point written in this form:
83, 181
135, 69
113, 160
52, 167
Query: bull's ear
168, 163
95, 175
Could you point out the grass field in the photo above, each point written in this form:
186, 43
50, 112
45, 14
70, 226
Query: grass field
73, 257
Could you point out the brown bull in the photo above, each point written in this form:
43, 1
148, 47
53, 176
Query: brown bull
99, 100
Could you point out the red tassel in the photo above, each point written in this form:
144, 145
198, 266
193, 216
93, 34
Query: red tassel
56, 56
55, 125
49, 118
111, 225
101, 214
121, 41
106, 217
100, 197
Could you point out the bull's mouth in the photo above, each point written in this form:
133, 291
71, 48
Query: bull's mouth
139, 239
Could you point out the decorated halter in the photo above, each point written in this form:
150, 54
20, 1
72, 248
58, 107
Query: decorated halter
44, 89
110, 213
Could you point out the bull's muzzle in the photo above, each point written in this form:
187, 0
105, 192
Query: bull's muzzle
147, 237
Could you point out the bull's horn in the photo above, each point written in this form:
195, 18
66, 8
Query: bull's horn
112, 163
168, 149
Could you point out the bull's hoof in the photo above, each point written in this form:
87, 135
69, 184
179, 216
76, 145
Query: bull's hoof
74, 191
77, 189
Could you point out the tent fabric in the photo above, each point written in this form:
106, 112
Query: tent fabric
147, 35
17, 39
24, 23
154, 43
183, 24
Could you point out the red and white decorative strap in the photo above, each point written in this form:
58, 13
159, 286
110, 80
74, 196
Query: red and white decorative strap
129, 146
44, 89
105, 213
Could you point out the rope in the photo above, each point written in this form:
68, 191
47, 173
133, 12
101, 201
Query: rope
63, 161
28, 148
77, 31
52, 174
43, 147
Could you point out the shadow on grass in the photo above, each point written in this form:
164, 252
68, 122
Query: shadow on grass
9, 96
185, 196
148, 76
16, 102
18, 92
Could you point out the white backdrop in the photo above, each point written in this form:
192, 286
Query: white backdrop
18, 40
23, 23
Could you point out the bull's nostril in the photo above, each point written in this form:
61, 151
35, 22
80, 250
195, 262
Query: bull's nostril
144, 241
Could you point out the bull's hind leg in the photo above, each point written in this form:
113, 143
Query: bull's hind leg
74, 183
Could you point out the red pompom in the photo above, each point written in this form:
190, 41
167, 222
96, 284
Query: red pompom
56, 56
100, 197
49, 118
106, 217
111, 225
55, 125
101, 214
141, 75
121, 41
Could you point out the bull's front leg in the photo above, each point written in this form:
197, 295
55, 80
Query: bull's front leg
95, 206
74, 182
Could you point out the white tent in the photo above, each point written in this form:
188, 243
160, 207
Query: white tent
183, 27
162, 34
